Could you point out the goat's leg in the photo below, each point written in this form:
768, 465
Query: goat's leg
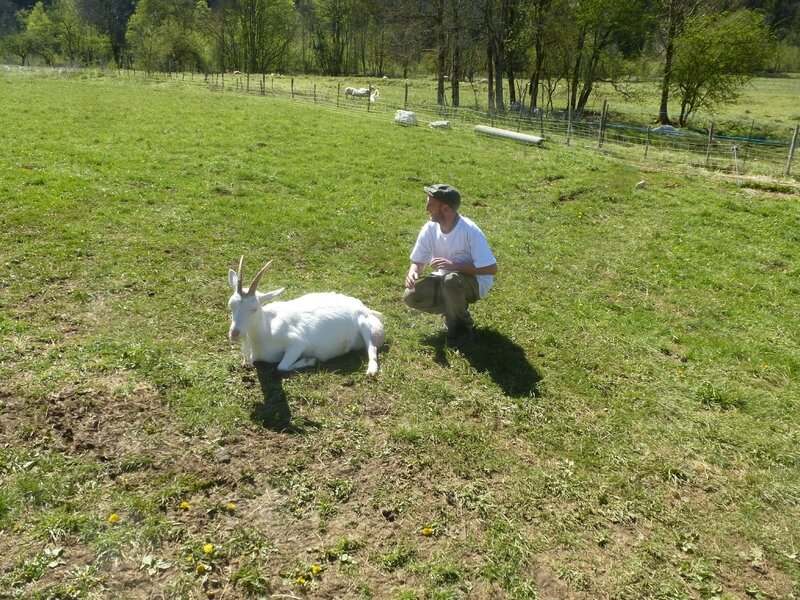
247, 353
292, 359
372, 333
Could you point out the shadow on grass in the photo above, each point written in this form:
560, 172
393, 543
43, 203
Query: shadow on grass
493, 353
274, 412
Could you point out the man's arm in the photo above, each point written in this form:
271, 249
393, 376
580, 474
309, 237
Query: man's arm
468, 268
414, 271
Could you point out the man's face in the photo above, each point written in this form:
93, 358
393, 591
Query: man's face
436, 209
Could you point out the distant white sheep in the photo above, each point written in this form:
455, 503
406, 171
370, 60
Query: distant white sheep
370, 92
297, 333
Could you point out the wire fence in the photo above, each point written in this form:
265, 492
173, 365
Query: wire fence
612, 132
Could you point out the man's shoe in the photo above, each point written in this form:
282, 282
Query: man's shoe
461, 337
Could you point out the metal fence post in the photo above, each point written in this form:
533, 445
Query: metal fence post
792, 147
710, 142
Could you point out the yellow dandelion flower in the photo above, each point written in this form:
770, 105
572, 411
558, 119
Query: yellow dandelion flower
230, 506
200, 568
301, 580
15, 527
208, 548
113, 518
190, 559
427, 531
185, 505
315, 570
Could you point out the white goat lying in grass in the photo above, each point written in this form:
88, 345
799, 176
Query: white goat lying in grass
370, 92
297, 333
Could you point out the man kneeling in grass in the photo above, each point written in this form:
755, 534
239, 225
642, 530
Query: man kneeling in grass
464, 266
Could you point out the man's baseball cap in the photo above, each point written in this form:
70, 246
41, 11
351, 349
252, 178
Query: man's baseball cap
444, 193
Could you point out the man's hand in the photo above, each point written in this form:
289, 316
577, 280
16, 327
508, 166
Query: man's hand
443, 263
411, 280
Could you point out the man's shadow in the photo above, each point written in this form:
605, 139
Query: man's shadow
493, 353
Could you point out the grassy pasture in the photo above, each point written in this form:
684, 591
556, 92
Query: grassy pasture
626, 424
767, 106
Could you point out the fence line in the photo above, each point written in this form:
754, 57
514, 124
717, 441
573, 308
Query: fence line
684, 149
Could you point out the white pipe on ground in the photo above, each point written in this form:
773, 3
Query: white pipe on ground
512, 135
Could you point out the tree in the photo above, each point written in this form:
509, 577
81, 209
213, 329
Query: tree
406, 40
265, 27
332, 24
597, 23
673, 15
536, 15
78, 40
163, 34
40, 33
110, 18
8, 21
715, 56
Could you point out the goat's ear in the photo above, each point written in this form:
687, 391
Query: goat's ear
264, 297
233, 280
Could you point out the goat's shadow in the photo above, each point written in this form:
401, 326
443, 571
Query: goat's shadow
274, 412
493, 353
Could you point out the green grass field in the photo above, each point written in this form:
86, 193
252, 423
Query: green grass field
626, 424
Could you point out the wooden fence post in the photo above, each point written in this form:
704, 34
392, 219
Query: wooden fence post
292, 88
405, 100
792, 147
569, 123
338, 93
369, 95
710, 143
315, 93
647, 141
602, 123
541, 121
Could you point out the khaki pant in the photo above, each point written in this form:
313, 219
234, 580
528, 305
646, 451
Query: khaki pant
447, 295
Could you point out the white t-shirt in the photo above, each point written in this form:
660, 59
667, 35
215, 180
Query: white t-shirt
464, 244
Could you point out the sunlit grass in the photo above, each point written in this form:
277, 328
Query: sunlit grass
625, 426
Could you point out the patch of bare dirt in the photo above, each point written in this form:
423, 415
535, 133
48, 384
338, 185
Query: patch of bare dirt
130, 434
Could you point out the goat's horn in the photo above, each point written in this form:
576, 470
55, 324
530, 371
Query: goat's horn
257, 280
239, 279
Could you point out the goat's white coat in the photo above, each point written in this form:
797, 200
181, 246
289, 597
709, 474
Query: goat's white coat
297, 333
370, 92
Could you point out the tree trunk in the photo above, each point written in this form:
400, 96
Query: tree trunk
576, 72
490, 73
669, 54
456, 42
499, 57
442, 40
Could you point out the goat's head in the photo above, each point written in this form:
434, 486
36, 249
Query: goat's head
246, 306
